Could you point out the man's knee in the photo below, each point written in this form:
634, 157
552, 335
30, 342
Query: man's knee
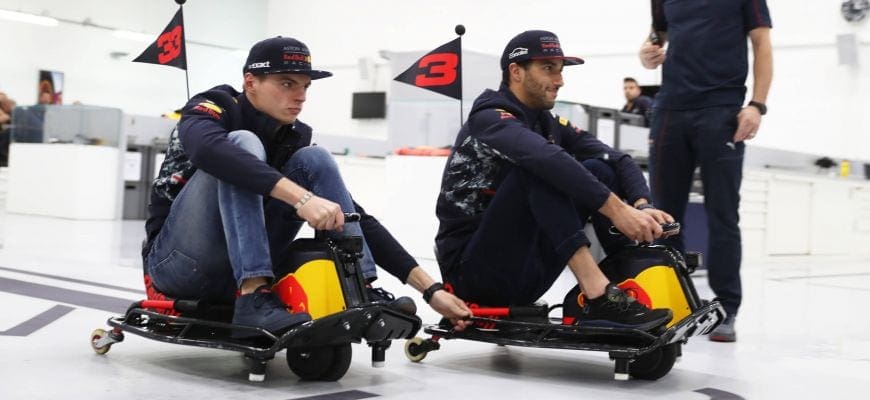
602, 170
313, 158
248, 141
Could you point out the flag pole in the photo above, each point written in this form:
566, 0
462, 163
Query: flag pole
184, 44
460, 30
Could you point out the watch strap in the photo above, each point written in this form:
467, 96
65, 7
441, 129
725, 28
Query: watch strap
762, 108
430, 291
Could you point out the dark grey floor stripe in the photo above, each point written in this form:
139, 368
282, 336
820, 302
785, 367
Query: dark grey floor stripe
348, 395
73, 280
34, 324
62, 295
716, 394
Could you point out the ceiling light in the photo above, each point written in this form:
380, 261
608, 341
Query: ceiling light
137, 36
28, 18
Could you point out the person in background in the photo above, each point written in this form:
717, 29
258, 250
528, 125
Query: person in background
6, 107
635, 103
699, 119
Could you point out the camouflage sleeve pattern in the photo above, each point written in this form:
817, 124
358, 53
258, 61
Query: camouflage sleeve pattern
175, 170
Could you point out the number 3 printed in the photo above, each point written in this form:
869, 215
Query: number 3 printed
170, 42
441, 70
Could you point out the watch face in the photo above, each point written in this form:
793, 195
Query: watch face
855, 10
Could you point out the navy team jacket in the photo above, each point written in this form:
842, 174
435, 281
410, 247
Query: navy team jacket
502, 134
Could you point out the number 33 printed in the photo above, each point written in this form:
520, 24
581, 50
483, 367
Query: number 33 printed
440, 70
170, 42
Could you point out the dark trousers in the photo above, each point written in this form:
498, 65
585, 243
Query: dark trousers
681, 140
527, 234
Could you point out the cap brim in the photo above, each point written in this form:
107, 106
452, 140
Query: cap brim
566, 60
313, 73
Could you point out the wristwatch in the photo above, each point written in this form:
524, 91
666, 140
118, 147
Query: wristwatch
430, 291
644, 206
760, 106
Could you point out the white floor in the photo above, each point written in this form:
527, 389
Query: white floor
804, 332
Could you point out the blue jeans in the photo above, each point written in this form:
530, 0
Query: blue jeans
526, 236
680, 141
217, 234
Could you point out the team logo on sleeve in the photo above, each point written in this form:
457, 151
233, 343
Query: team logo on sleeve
504, 114
209, 108
564, 122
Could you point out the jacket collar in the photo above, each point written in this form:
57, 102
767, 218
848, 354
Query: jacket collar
259, 121
530, 116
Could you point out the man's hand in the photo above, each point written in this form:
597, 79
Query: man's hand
322, 214
633, 223
651, 55
637, 225
660, 216
452, 308
748, 121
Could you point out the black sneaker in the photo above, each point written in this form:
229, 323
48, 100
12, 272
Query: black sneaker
264, 309
403, 304
617, 309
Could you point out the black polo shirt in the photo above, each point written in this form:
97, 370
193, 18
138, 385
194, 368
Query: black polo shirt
707, 60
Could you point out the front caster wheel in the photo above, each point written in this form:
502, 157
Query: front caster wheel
102, 340
415, 349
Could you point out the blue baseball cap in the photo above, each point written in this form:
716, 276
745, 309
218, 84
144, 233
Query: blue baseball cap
535, 45
281, 55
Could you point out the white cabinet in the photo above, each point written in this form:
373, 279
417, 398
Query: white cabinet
831, 217
860, 225
793, 214
788, 216
753, 212
65, 180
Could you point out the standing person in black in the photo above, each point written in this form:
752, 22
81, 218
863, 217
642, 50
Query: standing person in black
521, 184
699, 120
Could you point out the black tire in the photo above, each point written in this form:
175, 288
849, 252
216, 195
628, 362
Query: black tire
340, 364
328, 363
655, 364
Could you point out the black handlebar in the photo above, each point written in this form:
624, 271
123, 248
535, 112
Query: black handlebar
668, 228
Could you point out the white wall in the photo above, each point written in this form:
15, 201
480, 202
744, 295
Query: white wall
95, 78
816, 105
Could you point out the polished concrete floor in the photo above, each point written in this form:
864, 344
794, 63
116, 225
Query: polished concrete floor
804, 332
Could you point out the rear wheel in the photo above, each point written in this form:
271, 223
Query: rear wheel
327, 363
655, 364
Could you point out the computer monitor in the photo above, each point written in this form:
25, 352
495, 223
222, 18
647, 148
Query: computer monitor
369, 105
28, 123
649, 90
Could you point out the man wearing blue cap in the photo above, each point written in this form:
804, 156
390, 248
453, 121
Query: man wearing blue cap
239, 176
521, 184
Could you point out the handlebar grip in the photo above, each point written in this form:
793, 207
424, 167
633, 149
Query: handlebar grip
670, 228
